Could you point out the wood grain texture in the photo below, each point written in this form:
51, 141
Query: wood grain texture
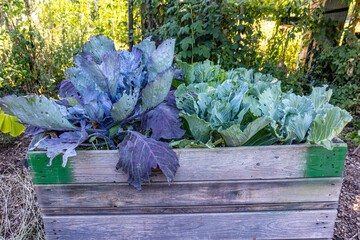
321, 162
53, 211
271, 192
260, 225
265, 162
189, 193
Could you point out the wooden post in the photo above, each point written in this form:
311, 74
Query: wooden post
353, 15
142, 16
354, 5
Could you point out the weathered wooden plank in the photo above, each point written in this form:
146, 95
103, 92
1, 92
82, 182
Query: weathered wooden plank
321, 162
265, 162
260, 225
189, 193
190, 209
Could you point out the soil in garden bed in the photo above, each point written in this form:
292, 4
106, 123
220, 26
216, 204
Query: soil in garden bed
20, 204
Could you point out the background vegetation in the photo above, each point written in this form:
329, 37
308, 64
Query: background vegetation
294, 40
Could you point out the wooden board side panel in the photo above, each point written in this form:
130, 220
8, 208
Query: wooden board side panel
53, 211
266, 162
189, 193
321, 162
261, 225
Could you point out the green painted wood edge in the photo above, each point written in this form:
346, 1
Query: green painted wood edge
42, 174
321, 162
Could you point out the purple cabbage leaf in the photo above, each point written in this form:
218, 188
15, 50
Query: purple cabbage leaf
161, 59
164, 122
65, 144
147, 47
68, 90
97, 47
34, 130
138, 154
110, 93
170, 98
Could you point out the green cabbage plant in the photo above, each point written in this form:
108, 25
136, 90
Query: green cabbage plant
240, 107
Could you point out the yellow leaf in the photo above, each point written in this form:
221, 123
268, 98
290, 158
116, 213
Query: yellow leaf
8, 124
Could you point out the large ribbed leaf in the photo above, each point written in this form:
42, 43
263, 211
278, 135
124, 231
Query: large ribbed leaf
185, 99
320, 97
124, 106
264, 137
235, 137
68, 90
328, 126
298, 126
139, 154
297, 117
161, 59
97, 47
37, 111
156, 91
147, 47
296, 105
221, 113
199, 128
85, 86
270, 102
163, 121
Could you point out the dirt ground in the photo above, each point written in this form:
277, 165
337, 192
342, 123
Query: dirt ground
21, 219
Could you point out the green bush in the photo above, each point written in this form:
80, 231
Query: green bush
39, 38
331, 63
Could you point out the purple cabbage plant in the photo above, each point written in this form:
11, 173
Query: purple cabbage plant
120, 98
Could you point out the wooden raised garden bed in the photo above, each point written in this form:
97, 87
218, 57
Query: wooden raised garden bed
270, 192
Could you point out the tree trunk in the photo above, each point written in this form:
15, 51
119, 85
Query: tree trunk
131, 27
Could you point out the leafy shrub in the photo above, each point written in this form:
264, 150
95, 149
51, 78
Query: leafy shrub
339, 67
39, 38
333, 59
231, 33
20, 68
113, 96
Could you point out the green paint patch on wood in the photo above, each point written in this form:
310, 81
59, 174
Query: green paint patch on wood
42, 174
321, 162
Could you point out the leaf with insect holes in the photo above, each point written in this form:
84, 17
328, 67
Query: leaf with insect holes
161, 59
125, 105
97, 47
68, 90
37, 111
156, 91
